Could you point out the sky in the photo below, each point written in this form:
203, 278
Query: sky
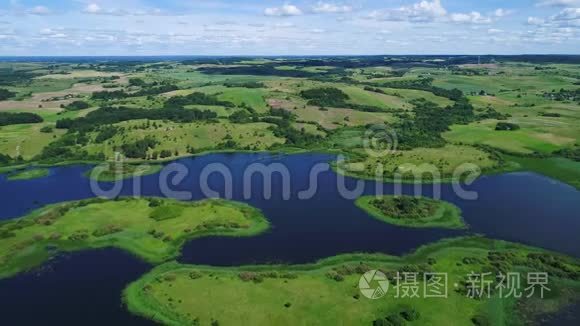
267, 27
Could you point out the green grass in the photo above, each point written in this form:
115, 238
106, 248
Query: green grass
117, 171
176, 137
441, 214
175, 294
126, 223
559, 168
419, 164
26, 139
29, 174
523, 141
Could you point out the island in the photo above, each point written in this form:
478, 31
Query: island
153, 229
112, 171
327, 292
409, 211
28, 174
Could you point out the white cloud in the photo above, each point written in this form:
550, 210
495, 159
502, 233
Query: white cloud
535, 21
568, 14
501, 12
93, 8
559, 3
284, 25
494, 31
330, 8
285, 10
424, 11
473, 17
39, 10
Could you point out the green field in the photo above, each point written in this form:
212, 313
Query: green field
327, 293
515, 89
523, 141
112, 171
176, 137
420, 165
150, 228
562, 169
427, 213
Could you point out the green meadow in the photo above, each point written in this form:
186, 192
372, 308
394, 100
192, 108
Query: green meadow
327, 293
153, 229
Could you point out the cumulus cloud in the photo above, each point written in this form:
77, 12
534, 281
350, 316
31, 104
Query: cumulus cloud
566, 18
499, 12
93, 8
433, 11
39, 10
424, 11
330, 8
473, 17
535, 21
559, 3
285, 10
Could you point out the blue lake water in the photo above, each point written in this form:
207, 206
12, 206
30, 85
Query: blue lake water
521, 207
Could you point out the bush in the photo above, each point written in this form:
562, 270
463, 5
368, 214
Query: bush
506, 126
410, 314
395, 320
46, 129
77, 105
19, 118
480, 320
106, 230
5, 94
251, 276
333, 275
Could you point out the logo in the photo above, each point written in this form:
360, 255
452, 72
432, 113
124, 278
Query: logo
373, 284
379, 140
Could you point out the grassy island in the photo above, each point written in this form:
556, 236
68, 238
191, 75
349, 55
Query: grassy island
327, 293
153, 229
412, 211
113, 171
28, 174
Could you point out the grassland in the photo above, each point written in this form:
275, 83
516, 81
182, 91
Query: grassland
326, 293
565, 170
179, 138
421, 164
152, 229
28, 174
523, 141
426, 213
518, 90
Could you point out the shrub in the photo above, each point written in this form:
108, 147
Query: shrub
195, 275
410, 314
77, 105
7, 118
106, 230
333, 275
480, 320
395, 320
250, 276
506, 126
46, 129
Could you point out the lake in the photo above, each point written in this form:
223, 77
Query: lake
521, 207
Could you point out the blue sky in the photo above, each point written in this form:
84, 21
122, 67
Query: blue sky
203, 27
